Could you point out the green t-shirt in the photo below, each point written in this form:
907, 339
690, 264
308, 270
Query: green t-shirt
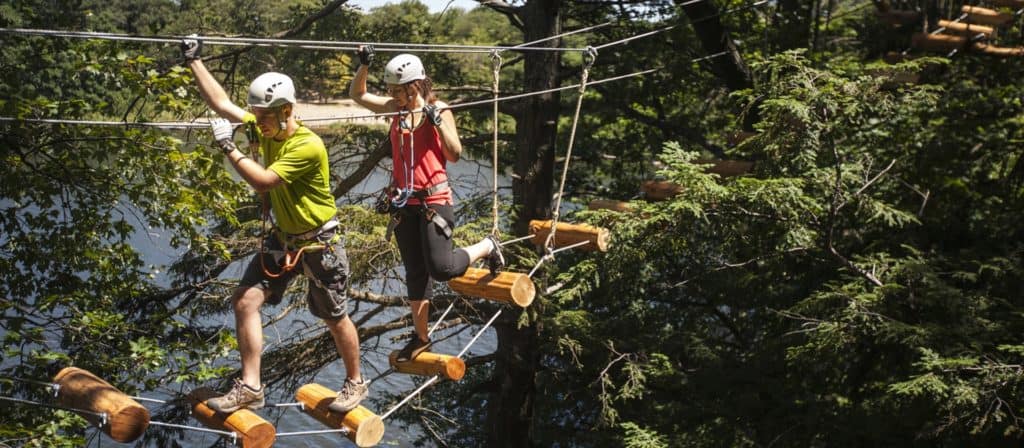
304, 201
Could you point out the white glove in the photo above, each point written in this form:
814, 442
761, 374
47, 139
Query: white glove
222, 131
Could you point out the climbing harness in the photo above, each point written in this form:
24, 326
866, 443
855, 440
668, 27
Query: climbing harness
294, 246
401, 197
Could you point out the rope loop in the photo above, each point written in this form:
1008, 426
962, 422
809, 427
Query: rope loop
589, 56
496, 66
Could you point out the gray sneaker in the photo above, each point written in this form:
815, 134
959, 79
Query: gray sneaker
240, 396
349, 397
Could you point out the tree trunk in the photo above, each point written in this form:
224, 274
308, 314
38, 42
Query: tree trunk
536, 127
510, 408
714, 39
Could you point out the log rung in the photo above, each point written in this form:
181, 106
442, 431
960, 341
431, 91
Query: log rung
253, 430
430, 364
985, 16
567, 234
609, 204
509, 287
948, 43
364, 427
126, 419
966, 29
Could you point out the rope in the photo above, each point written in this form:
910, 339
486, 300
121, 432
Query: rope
269, 42
436, 377
409, 397
478, 334
496, 67
307, 433
100, 415
234, 436
590, 56
429, 332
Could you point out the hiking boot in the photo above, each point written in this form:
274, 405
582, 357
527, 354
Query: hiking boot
412, 349
495, 261
349, 397
240, 396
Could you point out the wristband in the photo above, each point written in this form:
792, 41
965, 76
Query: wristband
227, 146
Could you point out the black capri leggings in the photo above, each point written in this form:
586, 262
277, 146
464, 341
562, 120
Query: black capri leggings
426, 252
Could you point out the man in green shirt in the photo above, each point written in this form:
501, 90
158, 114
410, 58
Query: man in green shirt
297, 181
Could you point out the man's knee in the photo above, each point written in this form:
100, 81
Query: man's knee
247, 300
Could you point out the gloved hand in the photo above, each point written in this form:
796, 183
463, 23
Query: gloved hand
365, 53
222, 131
192, 49
432, 114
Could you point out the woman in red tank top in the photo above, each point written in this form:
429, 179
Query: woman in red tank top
423, 140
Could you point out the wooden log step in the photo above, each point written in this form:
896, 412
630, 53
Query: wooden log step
430, 364
80, 389
992, 50
609, 204
726, 168
364, 427
568, 234
947, 43
660, 190
985, 16
966, 29
253, 431
510, 287
938, 42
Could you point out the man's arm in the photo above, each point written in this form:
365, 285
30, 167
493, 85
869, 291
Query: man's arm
260, 178
214, 94
209, 88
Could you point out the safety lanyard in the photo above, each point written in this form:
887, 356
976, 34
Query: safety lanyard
408, 162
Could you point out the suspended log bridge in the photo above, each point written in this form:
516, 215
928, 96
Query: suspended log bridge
985, 16
966, 29
509, 287
252, 430
430, 364
726, 168
947, 43
125, 420
364, 427
609, 204
660, 190
568, 234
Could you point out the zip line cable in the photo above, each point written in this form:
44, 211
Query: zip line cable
271, 42
204, 125
201, 125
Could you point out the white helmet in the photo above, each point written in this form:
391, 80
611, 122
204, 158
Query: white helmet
404, 68
271, 89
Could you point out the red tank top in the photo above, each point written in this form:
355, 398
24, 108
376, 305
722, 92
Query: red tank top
427, 161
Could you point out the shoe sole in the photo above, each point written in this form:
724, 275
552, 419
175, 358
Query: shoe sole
254, 406
334, 408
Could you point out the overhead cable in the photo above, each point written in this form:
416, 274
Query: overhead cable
272, 42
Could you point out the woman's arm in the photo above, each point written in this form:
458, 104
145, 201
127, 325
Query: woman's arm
357, 91
450, 143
